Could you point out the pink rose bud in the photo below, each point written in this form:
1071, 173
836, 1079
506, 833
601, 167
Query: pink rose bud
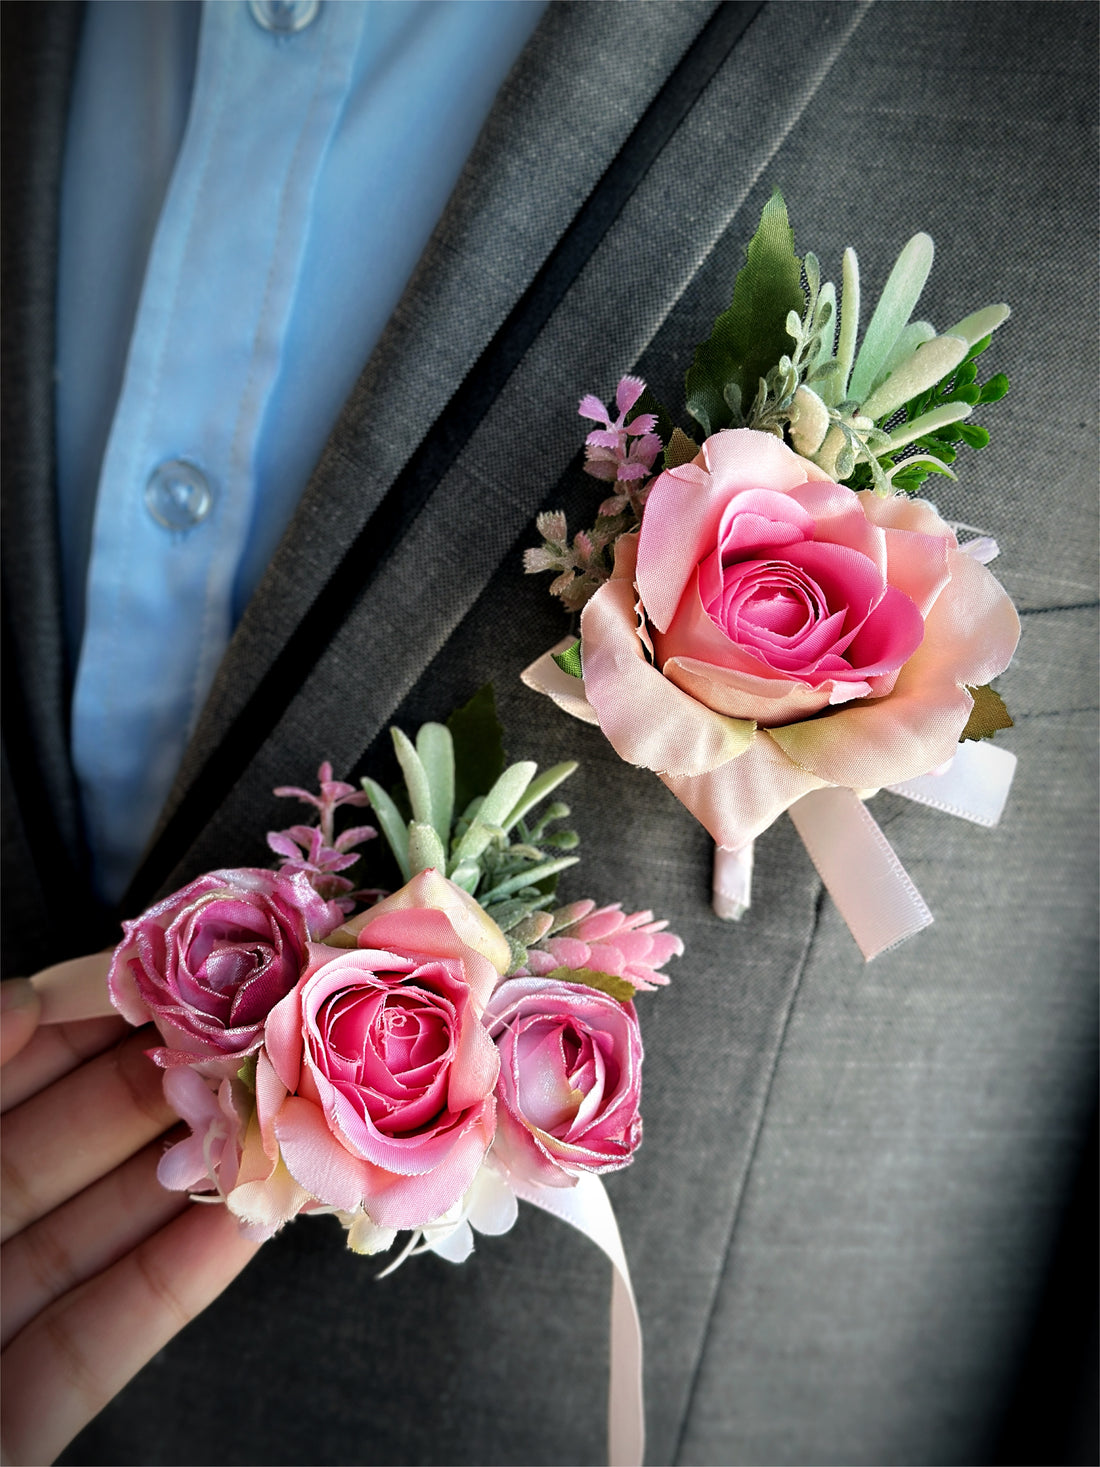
570, 1080
208, 963
377, 1073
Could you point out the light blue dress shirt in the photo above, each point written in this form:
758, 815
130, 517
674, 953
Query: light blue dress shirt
248, 187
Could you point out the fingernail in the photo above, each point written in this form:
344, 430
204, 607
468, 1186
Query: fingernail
16, 993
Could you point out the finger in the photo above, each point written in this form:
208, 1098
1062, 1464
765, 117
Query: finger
75, 989
20, 1007
76, 1131
54, 1051
79, 1353
82, 1237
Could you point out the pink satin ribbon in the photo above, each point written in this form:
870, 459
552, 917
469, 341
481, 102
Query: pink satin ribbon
587, 1207
871, 888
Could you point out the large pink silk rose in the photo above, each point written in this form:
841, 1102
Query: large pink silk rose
377, 1074
570, 1080
769, 632
208, 963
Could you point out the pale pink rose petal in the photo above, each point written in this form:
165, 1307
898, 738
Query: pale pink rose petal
767, 700
739, 800
838, 516
648, 720
405, 1202
970, 636
918, 565
317, 1161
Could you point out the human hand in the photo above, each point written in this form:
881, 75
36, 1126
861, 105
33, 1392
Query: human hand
100, 1265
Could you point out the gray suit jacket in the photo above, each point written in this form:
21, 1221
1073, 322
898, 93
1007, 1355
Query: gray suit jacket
854, 1179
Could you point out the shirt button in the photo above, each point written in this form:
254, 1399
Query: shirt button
284, 17
178, 495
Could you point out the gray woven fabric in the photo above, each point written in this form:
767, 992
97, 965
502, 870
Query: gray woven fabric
852, 1176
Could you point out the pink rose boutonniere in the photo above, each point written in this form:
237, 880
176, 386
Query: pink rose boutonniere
772, 621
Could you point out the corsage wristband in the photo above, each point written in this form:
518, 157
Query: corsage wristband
419, 1065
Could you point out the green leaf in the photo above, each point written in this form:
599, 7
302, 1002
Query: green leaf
532, 877
425, 849
393, 826
604, 982
435, 749
895, 305
681, 449
648, 403
987, 715
995, 388
247, 1073
416, 779
570, 660
478, 746
749, 338
973, 435
538, 789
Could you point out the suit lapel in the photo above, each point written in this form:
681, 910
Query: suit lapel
535, 195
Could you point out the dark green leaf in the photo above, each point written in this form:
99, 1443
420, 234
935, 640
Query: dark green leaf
978, 347
970, 394
604, 982
479, 750
570, 660
967, 371
681, 449
987, 715
749, 338
648, 403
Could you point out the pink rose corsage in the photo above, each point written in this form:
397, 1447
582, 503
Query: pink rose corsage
771, 620
416, 1061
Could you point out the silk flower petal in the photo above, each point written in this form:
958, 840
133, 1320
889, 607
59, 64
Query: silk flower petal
648, 720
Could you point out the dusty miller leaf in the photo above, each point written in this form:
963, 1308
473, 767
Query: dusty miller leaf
987, 715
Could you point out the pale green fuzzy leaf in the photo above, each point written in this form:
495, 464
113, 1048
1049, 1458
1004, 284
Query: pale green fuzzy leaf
529, 877
498, 803
506, 914
393, 826
517, 954
812, 267
826, 302
950, 412
416, 779
849, 328
980, 323
794, 325
538, 789
929, 364
914, 335
425, 848
466, 874
532, 928
895, 306
435, 749
809, 421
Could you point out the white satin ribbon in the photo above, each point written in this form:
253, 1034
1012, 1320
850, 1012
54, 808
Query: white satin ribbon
587, 1207
871, 888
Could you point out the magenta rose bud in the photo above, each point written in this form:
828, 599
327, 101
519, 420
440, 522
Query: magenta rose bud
570, 1080
377, 1073
210, 962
